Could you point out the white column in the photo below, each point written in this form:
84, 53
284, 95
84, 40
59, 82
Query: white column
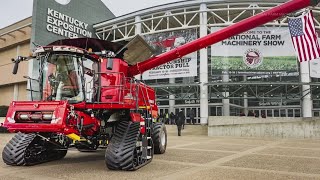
245, 98
203, 68
171, 98
15, 92
138, 31
245, 103
306, 101
172, 101
225, 79
226, 102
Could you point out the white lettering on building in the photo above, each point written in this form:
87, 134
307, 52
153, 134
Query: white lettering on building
67, 26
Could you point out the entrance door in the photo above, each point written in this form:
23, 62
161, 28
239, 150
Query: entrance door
288, 112
163, 110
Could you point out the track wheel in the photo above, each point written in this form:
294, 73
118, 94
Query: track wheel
14, 152
31, 149
159, 138
120, 153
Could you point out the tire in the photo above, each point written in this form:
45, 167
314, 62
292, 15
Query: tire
120, 151
14, 152
159, 138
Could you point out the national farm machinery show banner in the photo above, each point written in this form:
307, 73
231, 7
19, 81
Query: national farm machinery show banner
162, 42
260, 51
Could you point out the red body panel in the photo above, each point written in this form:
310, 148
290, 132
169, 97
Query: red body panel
58, 108
113, 81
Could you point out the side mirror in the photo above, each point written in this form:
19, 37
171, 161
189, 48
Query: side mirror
110, 64
16, 63
15, 68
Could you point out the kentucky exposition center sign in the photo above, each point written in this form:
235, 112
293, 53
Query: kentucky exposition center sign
60, 19
65, 25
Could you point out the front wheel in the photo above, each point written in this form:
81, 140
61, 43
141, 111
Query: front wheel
159, 138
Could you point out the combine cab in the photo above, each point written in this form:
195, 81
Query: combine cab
90, 98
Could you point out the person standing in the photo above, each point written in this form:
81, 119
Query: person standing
180, 122
172, 117
167, 118
192, 120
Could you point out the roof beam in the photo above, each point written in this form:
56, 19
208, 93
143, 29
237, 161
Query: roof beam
27, 25
23, 32
13, 36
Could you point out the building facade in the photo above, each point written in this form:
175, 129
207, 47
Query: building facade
14, 41
228, 81
254, 73
51, 20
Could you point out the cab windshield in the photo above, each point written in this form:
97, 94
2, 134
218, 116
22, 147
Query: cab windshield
61, 78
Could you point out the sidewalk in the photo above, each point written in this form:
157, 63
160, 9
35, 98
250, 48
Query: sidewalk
190, 157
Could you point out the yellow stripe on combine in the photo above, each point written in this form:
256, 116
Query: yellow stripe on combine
74, 137
144, 107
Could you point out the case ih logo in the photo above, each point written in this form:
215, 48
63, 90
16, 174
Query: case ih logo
252, 58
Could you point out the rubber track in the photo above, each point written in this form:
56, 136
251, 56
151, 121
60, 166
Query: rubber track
13, 152
119, 154
156, 139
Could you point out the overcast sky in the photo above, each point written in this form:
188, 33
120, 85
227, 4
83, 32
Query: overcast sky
15, 10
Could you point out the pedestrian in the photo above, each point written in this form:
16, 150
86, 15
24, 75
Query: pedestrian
167, 118
158, 118
188, 119
180, 122
192, 120
161, 117
251, 113
242, 114
171, 118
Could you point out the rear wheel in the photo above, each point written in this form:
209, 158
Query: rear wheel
128, 149
159, 138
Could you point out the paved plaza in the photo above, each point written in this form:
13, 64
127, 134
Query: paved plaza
191, 156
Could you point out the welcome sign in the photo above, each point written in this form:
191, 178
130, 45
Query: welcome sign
263, 50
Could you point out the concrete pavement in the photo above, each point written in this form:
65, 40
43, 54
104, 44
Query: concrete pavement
190, 157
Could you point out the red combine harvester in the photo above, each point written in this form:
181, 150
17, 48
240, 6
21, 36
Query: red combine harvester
92, 98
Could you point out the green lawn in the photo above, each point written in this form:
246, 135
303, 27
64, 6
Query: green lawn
280, 63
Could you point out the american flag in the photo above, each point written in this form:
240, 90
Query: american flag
304, 37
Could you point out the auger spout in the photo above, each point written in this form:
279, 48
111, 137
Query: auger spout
225, 33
